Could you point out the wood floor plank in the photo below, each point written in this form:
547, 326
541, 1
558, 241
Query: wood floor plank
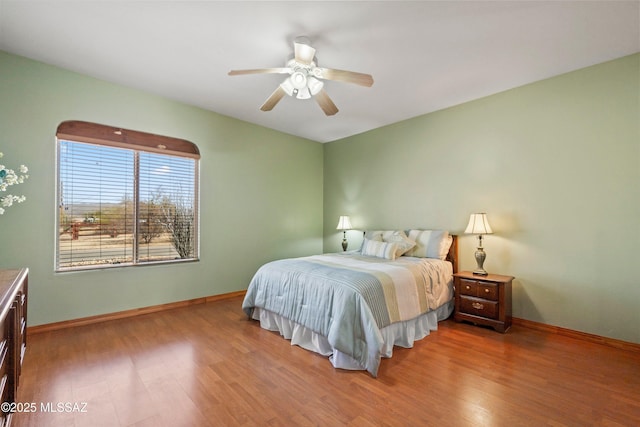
208, 365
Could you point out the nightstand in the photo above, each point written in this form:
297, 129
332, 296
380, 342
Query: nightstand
483, 300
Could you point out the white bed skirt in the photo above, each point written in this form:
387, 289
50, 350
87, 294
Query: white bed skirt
402, 334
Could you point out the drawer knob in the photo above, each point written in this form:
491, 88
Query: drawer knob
467, 287
486, 291
477, 306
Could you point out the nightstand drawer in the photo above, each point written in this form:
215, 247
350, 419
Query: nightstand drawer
479, 289
479, 307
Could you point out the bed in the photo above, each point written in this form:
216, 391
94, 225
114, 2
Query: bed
354, 306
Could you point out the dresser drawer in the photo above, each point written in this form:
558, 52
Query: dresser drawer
479, 307
479, 289
5, 392
4, 353
4, 360
4, 328
4, 385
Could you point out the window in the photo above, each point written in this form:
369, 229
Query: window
124, 198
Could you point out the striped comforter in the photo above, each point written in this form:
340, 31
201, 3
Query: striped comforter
348, 297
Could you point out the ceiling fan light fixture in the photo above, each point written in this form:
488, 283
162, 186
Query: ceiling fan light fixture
287, 86
314, 85
298, 80
303, 93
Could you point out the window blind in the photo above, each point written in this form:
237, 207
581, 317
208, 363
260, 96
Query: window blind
124, 206
96, 190
166, 207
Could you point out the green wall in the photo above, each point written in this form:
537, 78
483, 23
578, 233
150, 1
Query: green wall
260, 193
555, 164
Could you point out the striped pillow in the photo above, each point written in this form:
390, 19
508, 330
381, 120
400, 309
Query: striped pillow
379, 249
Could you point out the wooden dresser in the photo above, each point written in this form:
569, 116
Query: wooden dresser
484, 300
13, 336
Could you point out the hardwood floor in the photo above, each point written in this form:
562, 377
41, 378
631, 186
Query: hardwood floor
208, 365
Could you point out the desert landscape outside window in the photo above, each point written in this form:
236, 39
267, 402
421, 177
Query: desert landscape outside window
124, 198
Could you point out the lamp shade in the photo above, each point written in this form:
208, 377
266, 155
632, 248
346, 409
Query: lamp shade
344, 223
478, 224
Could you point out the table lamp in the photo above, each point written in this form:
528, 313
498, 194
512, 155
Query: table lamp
478, 224
344, 224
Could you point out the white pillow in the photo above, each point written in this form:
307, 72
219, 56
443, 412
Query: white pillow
405, 244
430, 243
374, 235
446, 245
379, 249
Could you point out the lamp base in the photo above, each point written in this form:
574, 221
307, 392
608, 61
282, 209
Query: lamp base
344, 244
480, 257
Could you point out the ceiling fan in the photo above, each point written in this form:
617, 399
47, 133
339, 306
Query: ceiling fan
305, 78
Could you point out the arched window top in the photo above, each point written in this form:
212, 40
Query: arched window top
94, 133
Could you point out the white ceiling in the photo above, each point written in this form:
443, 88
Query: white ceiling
424, 56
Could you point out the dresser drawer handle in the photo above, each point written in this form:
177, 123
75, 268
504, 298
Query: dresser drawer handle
477, 306
467, 287
486, 290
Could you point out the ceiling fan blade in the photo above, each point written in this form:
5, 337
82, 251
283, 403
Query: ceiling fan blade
303, 51
275, 97
326, 103
346, 76
285, 70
